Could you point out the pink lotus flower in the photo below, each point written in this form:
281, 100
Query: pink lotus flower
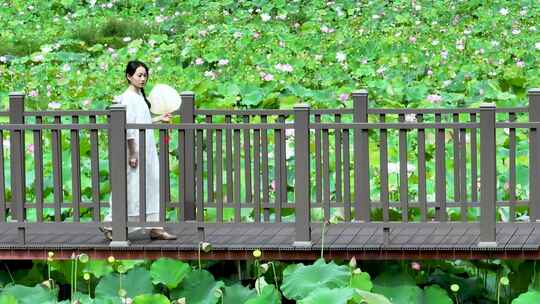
434, 98
199, 61
416, 266
343, 97
33, 93
31, 148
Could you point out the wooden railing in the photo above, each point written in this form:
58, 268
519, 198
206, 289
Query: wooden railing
301, 165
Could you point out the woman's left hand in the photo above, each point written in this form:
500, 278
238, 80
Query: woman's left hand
166, 117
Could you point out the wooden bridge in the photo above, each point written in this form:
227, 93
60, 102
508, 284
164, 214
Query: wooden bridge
380, 183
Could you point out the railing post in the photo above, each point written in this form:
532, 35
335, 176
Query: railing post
118, 165
187, 114
488, 176
534, 156
16, 111
362, 203
302, 196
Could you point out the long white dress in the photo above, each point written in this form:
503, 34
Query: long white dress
137, 112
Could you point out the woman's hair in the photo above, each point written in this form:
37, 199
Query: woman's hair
131, 67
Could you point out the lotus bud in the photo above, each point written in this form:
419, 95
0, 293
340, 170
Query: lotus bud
181, 301
122, 292
352, 263
264, 268
111, 259
454, 287
257, 253
206, 247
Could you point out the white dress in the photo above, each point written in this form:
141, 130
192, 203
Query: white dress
137, 112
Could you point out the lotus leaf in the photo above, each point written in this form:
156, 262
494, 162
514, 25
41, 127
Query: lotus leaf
169, 272
300, 280
151, 299
136, 281
198, 287
328, 296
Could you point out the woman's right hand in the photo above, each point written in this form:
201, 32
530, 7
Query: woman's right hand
133, 161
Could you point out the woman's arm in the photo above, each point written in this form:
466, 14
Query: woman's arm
132, 153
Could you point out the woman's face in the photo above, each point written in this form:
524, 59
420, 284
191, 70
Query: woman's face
139, 77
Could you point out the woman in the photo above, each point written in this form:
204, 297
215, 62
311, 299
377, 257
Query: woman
137, 111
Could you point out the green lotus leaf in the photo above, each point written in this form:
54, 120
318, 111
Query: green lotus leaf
269, 295
529, 297
436, 295
237, 294
169, 272
30, 295
98, 268
301, 280
328, 296
362, 296
8, 299
199, 287
151, 299
135, 282
361, 281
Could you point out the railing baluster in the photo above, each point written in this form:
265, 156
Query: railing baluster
383, 160
361, 158
534, 156
283, 168
163, 173
237, 177
488, 175
257, 174
209, 161
403, 178
346, 176
422, 195
463, 173
440, 172
219, 176
326, 174
199, 198
38, 169
228, 163
142, 173
277, 174
265, 170
181, 175
247, 161
94, 171
57, 170
337, 149
474, 161
318, 159
75, 171
512, 168
456, 161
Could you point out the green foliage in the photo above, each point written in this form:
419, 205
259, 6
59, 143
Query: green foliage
135, 282
8, 299
237, 294
530, 297
29, 295
151, 299
199, 287
269, 295
169, 272
328, 296
299, 280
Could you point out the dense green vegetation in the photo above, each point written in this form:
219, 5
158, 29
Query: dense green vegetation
273, 53
164, 281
